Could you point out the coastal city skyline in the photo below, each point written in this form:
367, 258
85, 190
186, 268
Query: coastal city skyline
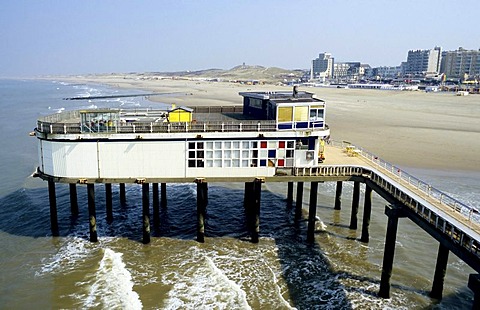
80, 37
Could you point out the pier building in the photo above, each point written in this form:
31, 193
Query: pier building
272, 137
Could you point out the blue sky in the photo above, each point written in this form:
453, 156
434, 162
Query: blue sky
51, 37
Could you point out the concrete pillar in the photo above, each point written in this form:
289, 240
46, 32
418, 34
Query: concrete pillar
367, 211
202, 201
53, 208
290, 194
355, 202
156, 204
146, 212
312, 212
163, 194
123, 196
393, 214
73, 199
474, 285
338, 196
299, 200
92, 214
440, 271
109, 202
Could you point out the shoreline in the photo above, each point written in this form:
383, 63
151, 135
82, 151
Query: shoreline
410, 129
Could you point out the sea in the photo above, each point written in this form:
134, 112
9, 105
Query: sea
174, 271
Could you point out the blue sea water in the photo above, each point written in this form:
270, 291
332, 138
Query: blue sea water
175, 272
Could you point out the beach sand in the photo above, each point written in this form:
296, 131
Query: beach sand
407, 128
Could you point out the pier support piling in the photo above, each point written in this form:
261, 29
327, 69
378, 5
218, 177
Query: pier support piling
73, 199
146, 212
156, 204
312, 212
253, 191
92, 214
367, 211
299, 200
474, 285
257, 193
123, 196
290, 194
440, 271
163, 195
338, 196
202, 201
393, 213
355, 203
108, 202
53, 208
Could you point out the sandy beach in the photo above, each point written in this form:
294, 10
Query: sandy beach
407, 128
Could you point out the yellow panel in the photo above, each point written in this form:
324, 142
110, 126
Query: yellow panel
317, 107
285, 114
301, 114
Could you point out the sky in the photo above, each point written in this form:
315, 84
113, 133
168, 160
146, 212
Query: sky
62, 37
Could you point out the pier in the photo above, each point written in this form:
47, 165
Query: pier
288, 149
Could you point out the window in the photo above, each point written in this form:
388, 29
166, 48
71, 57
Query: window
285, 114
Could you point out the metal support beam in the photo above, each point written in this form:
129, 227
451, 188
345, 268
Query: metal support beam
367, 211
73, 199
355, 203
338, 196
156, 204
312, 212
393, 214
440, 271
53, 208
163, 195
92, 214
257, 193
123, 196
299, 200
146, 212
474, 285
290, 194
109, 202
202, 201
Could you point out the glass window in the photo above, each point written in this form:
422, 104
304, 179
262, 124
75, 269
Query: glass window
285, 114
191, 145
301, 114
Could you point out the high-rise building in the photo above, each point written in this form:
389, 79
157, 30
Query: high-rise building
322, 67
423, 62
457, 64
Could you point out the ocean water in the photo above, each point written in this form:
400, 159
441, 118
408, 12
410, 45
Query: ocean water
175, 272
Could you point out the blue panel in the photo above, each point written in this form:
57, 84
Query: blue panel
301, 125
272, 153
263, 162
285, 126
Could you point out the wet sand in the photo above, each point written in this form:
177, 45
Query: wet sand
408, 128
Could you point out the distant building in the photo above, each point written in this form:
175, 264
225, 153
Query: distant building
346, 70
322, 67
423, 62
388, 72
457, 64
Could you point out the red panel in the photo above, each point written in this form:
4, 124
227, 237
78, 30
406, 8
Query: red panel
281, 144
263, 144
281, 163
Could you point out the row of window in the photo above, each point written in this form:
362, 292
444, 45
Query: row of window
245, 153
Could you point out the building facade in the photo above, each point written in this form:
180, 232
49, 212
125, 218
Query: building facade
423, 62
322, 67
461, 62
